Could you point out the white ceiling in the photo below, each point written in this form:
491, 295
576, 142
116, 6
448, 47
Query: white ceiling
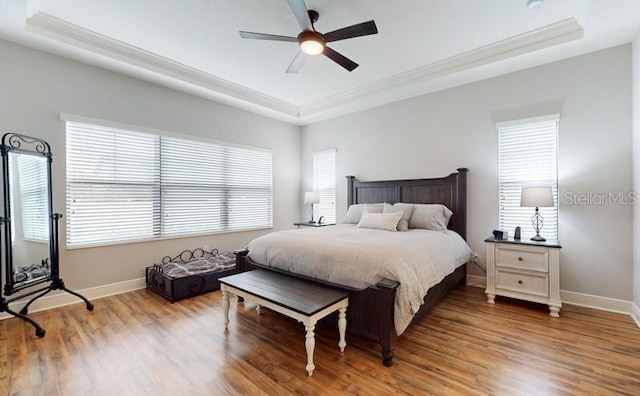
422, 45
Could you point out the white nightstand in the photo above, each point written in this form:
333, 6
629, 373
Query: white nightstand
526, 270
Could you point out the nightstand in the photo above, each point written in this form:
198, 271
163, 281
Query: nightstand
526, 270
313, 224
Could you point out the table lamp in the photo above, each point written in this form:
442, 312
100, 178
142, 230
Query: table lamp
312, 198
537, 197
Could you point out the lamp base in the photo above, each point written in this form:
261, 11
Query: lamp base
536, 222
312, 221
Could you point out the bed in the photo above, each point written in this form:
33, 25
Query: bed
371, 310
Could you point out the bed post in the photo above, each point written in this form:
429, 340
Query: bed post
241, 263
384, 301
461, 201
350, 194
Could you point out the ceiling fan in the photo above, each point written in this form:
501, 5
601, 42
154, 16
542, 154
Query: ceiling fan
313, 42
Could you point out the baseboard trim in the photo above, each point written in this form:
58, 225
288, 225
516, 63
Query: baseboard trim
581, 299
597, 302
61, 299
635, 313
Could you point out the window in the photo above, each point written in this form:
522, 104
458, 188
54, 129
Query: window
128, 186
527, 156
324, 182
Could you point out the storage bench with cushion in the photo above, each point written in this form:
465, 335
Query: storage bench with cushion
190, 273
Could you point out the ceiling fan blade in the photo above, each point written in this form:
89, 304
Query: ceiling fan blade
297, 62
340, 59
302, 15
361, 29
264, 36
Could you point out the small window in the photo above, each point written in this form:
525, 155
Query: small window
125, 185
324, 182
527, 157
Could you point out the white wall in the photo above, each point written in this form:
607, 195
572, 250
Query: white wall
432, 135
36, 87
636, 171
427, 136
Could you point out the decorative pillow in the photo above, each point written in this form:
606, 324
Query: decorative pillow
406, 209
373, 208
430, 217
380, 221
354, 213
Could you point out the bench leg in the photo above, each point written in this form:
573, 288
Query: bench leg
342, 327
258, 309
310, 344
225, 308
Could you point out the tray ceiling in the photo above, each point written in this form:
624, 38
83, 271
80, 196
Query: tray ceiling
422, 46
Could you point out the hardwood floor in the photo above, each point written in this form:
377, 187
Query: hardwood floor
138, 343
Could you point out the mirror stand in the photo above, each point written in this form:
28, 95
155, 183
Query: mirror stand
4, 302
29, 247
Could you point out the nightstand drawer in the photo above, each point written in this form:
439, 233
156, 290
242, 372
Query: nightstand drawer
522, 258
534, 284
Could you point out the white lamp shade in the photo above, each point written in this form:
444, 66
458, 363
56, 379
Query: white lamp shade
538, 197
312, 197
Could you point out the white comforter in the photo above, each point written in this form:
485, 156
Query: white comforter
360, 258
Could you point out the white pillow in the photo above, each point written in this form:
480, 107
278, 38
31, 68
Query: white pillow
405, 209
373, 208
354, 213
430, 217
380, 221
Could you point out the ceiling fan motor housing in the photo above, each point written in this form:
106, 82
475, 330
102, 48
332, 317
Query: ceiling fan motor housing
309, 35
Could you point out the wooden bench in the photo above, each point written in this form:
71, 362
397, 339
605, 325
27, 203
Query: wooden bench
298, 299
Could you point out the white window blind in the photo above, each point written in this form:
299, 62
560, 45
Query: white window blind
210, 188
124, 186
324, 182
527, 156
34, 199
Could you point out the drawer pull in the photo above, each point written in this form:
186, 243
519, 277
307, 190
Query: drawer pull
520, 281
519, 258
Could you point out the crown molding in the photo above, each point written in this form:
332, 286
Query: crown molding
221, 89
388, 89
401, 86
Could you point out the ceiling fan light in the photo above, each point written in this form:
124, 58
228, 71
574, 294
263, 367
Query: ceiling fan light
311, 43
312, 47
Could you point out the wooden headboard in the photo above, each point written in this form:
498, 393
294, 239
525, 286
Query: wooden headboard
450, 191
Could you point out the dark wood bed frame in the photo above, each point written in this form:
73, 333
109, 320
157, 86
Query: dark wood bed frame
370, 312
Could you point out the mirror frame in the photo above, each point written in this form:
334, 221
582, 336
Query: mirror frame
15, 142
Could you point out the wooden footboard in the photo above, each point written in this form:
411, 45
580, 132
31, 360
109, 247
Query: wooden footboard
370, 312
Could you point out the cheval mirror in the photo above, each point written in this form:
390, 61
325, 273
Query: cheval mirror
29, 228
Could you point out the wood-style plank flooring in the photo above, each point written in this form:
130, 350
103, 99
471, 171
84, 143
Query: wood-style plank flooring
139, 344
